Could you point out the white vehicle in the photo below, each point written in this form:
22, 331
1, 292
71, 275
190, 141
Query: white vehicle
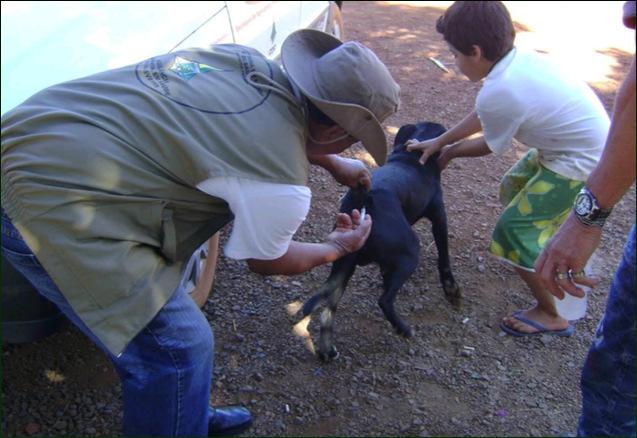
45, 43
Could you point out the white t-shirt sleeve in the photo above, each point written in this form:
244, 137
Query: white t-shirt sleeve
500, 115
266, 215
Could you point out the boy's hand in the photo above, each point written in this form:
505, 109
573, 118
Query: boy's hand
350, 233
428, 147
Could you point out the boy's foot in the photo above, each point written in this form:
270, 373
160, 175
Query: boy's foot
533, 322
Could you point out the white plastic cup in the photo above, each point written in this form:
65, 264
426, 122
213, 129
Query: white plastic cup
570, 307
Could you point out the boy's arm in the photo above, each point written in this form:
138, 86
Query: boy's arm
467, 126
473, 147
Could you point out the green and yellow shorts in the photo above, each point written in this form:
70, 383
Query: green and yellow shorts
537, 202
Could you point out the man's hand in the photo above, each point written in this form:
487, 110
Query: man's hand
346, 171
567, 253
350, 233
428, 147
351, 173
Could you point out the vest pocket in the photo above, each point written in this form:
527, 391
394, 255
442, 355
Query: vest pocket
168, 235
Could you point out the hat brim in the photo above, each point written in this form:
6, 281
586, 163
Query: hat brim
299, 53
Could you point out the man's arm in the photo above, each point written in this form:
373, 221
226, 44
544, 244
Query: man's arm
574, 243
349, 235
300, 257
615, 172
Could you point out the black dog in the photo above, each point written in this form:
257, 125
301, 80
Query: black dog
403, 191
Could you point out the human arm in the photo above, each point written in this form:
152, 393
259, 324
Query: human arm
349, 235
349, 172
266, 217
471, 147
467, 127
574, 243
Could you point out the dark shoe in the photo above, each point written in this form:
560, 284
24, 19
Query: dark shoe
228, 420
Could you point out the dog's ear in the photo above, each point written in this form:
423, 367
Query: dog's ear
404, 133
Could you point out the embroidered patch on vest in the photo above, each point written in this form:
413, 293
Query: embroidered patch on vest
213, 82
186, 69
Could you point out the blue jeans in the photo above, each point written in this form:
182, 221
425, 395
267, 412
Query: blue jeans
608, 376
166, 370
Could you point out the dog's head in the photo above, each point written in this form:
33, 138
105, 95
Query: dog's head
420, 131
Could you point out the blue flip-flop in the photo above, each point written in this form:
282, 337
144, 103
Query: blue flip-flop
568, 331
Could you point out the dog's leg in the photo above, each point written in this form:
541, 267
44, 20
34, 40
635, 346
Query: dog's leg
331, 291
393, 280
326, 349
436, 214
339, 276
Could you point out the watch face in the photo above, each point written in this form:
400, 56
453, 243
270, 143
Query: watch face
583, 204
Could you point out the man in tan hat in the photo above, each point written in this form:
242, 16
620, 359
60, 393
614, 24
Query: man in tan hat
110, 182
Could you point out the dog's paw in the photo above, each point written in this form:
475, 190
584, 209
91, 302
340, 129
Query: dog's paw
331, 355
405, 330
453, 294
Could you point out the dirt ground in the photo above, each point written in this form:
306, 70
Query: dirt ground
459, 375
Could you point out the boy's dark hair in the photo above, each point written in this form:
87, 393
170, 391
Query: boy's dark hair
486, 24
317, 115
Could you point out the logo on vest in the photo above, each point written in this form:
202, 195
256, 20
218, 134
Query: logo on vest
186, 69
215, 84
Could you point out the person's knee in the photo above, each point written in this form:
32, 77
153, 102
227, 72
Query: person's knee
200, 342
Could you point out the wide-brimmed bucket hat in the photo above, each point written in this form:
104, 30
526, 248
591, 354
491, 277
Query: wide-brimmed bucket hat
346, 81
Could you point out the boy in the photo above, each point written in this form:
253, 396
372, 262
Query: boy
527, 98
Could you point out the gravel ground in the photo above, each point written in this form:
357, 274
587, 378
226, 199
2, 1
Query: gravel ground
459, 375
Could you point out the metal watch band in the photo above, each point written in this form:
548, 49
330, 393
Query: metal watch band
597, 216
597, 222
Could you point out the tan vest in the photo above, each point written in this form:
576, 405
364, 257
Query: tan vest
99, 174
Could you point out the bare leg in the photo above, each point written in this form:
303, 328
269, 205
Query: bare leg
544, 311
204, 284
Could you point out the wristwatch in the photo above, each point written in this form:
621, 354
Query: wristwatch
588, 211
